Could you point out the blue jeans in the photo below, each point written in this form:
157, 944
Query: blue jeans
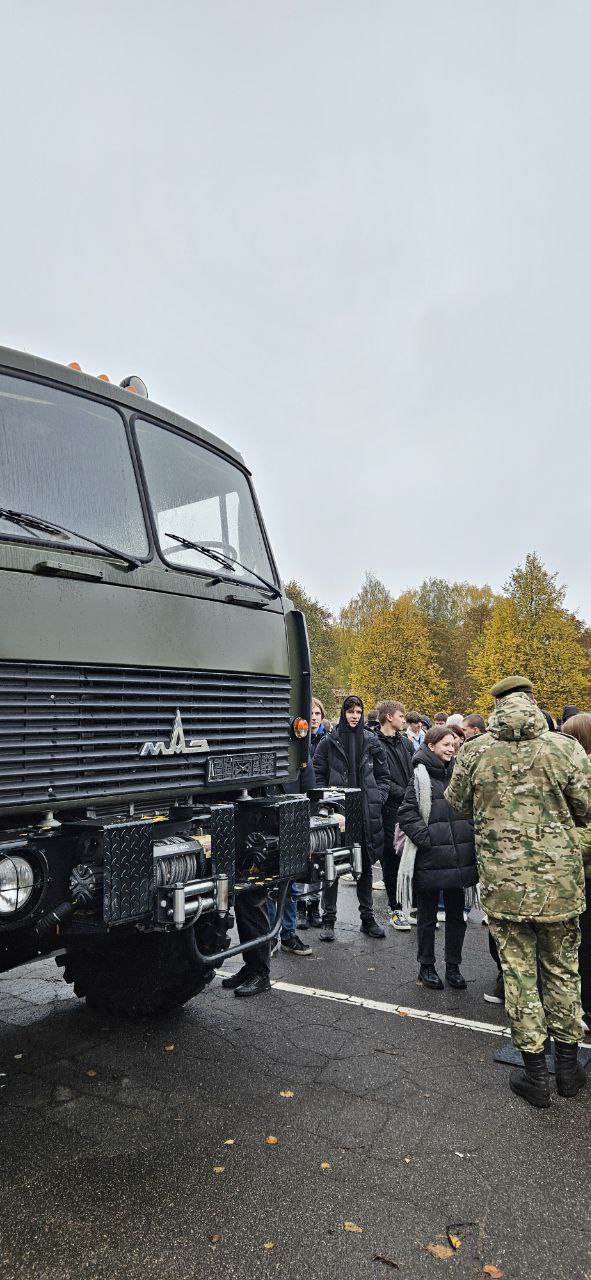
290, 915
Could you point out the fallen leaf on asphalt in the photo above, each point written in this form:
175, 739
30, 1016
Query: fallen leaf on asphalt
271, 1141
382, 1257
215, 1239
402, 1013
439, 1250
286, 1093
454, 1241
352, 1226
324, 1164
492, 1271
408, 1159
91, 1073
229, 1142
169, 1048
218, 1168
18, 1055
268, 1244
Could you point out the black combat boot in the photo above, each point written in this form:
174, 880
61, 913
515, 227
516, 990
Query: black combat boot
372, 928
302, 917
533, 1083
314, 919
429, 977
570, 1074
454, 977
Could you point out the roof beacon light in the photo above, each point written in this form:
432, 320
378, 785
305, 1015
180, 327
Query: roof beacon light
103, 377
74, 365
133, 383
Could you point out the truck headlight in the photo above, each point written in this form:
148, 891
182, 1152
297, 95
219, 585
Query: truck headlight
16, 883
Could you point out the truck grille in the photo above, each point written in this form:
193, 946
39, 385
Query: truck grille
75, 733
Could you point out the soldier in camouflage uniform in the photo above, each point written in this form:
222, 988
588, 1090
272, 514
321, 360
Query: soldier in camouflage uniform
524, 786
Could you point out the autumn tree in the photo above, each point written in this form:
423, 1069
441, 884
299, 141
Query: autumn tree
392, 658
324, 647
455, 613
354, 617
529, 632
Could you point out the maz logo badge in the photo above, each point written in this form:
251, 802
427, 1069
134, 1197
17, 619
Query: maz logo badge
178, 745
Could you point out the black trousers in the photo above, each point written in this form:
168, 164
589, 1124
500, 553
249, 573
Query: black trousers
364, 894
492, 946
455, 925
390, 861
585, 952
252, 920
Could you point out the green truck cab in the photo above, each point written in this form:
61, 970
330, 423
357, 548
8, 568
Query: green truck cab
154, 694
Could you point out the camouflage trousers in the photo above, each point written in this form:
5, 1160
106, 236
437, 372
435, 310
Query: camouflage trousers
522, 945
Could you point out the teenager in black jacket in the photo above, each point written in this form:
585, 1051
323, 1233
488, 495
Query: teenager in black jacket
399, 758
445, 858
349, 756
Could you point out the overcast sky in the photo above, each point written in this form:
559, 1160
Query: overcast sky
350, 238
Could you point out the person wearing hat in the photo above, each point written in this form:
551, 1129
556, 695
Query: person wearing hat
524, 788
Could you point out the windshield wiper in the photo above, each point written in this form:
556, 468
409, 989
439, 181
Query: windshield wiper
45, 526
226, 561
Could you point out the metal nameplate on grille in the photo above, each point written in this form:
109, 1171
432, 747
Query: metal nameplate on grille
261, 764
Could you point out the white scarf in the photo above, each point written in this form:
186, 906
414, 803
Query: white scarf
406, 870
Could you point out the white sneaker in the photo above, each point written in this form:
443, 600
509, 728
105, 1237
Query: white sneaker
347, 878
441, 915
379, 884
400, 922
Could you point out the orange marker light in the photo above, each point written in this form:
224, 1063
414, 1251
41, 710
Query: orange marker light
300, 727
74, 365
103, 377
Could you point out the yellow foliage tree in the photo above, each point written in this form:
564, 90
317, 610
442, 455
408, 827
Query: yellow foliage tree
530, 634
392, 658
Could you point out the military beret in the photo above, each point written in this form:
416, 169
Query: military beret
511, 684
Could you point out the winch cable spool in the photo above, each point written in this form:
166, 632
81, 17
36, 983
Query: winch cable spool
177, 861
324, 834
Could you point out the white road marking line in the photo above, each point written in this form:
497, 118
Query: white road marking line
400, 1010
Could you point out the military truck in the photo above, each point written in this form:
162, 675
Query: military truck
154, 694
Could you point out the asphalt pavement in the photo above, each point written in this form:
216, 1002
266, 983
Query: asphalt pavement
144, 1151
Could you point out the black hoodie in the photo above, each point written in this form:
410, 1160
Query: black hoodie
351, 738
344, 753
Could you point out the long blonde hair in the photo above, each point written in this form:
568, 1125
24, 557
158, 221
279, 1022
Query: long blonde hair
579, 727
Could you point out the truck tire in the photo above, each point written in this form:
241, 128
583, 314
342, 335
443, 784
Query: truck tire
142, 975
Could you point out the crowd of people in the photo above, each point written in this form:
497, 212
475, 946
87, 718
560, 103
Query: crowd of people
460, 812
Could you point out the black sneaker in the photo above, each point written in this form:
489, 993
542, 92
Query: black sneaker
372, 929
327, 931
295, 946
497, 995
302, 918
236, 979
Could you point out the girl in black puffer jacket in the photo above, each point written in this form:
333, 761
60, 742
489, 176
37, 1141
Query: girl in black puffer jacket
445, 858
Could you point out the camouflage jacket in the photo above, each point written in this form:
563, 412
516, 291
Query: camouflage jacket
523, 786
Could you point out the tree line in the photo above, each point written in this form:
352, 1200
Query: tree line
442, 645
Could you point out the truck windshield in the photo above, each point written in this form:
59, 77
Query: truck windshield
65, 459
198, 495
